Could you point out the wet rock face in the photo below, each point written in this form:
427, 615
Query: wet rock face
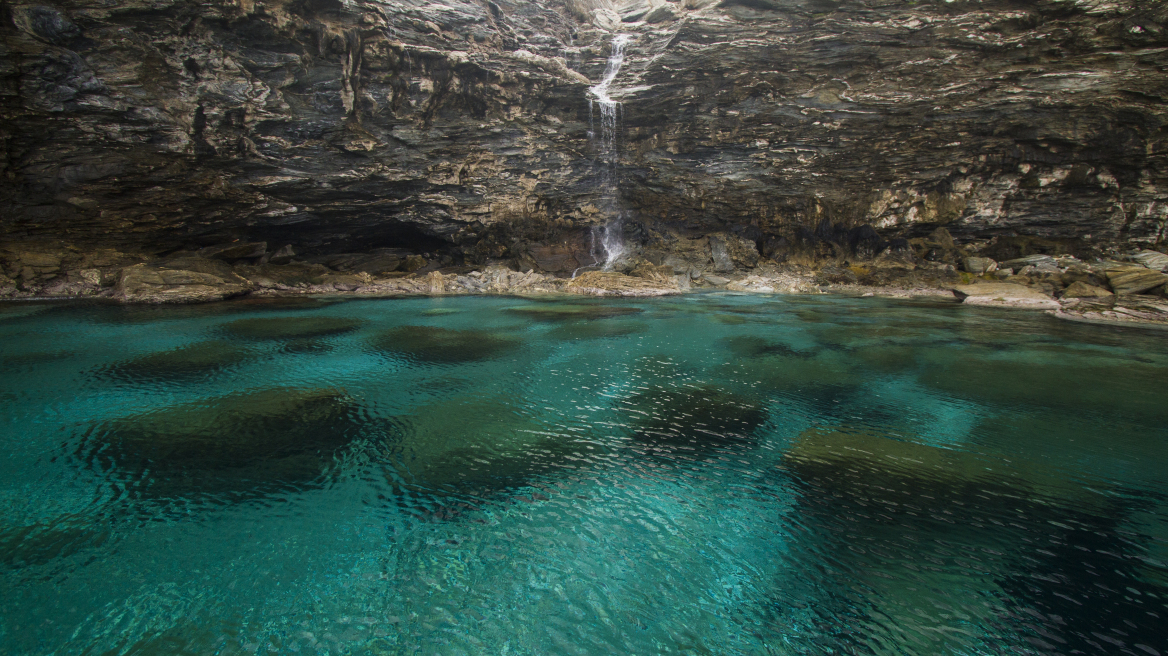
461, 129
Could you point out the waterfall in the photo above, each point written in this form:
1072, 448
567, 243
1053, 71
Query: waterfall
608, 237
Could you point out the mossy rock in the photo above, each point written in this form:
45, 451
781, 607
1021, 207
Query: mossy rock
187, 362
1091, 384
26, 361
752, 347
857, 461
474, 445
694, 419
799, 373
281, 328
573, 311
243, 443
596, 330
443, 345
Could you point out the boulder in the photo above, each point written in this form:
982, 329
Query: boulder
1152, 259
1004, 294
282, 256
142, 283
718, 281
1029, 260
606, 19
413, 263
980, 265
663, 13
1083, 290
1134, 279
721, 254
731, 251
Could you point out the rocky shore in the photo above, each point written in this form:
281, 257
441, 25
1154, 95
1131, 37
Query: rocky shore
1130, 288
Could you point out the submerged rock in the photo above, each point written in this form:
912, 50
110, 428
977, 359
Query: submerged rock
187, 362
443, 345
596, 329
44, 542
573, 311
473, 445
692, 419
247, 443
278, 328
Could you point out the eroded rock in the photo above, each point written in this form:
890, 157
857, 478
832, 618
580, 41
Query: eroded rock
1004, 294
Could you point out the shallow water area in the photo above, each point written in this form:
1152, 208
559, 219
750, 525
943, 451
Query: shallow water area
705, 474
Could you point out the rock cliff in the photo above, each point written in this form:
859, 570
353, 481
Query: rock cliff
460, 131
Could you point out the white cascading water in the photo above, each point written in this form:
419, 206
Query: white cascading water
608, 238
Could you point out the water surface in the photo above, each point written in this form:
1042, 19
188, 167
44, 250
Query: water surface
708, 474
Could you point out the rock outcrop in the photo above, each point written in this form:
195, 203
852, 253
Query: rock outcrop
365, 145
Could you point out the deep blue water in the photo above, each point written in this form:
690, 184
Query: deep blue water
708, 474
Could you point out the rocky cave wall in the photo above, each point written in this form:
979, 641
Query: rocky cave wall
460, 128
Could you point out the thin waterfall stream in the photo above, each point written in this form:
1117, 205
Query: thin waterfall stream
607, 238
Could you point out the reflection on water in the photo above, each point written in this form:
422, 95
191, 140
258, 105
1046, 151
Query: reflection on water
719, 474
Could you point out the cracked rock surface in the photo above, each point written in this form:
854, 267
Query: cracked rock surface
358, 138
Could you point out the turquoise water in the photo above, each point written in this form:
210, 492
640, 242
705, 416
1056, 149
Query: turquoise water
708, 474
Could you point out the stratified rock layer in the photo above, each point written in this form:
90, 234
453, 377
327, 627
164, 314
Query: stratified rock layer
461, 129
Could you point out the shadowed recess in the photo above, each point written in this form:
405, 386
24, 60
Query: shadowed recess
246, 443
184, 363
276, 328
440, 345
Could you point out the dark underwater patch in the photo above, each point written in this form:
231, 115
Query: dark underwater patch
191, 362
694, 419
281, 328
243, 444
443, 345
557, 312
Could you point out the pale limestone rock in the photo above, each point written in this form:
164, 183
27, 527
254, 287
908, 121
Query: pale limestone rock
151, 284
1134, 279
1081, 289
980, 265
607, 283
1004, 294
1154, 260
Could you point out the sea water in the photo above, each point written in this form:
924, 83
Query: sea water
705, 474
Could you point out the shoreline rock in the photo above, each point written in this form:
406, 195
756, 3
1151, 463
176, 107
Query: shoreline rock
1065, 287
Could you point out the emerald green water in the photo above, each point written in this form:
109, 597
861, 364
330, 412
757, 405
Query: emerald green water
708, 474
